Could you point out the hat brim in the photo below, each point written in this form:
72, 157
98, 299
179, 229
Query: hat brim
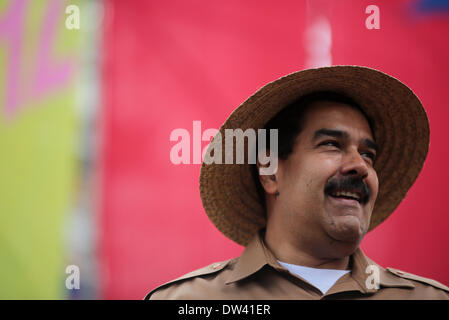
399, 121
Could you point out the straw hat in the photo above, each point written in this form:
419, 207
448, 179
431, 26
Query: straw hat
399, 121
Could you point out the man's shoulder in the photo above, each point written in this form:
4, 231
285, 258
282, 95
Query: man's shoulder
418, 280
185, 286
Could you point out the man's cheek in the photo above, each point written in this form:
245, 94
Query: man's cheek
374, 188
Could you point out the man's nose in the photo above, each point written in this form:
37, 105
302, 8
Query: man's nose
354, 164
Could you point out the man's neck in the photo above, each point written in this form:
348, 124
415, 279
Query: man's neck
285, 251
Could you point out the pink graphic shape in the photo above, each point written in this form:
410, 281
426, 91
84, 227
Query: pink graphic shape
50, 74
11, 25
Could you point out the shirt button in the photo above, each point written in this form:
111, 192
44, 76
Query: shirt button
215, 266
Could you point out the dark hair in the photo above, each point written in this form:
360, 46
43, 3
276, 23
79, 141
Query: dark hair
290, 122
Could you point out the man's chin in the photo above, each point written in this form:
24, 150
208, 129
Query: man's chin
347, 229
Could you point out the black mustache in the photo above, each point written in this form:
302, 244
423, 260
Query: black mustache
348, 183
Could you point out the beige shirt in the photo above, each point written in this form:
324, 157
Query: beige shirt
256, 274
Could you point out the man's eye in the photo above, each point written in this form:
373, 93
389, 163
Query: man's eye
369, 155
331, 143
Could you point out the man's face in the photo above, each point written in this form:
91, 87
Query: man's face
328, 185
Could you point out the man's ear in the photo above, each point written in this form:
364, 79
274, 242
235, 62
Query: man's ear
268, 182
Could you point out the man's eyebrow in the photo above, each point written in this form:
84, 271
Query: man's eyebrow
371, 144
342, 134
330, 132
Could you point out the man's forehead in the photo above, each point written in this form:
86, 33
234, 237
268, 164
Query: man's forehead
337, 116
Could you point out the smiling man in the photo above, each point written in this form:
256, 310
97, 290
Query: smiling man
325, 181
352, 141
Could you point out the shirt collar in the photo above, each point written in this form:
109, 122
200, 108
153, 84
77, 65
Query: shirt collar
363, 267
256, 255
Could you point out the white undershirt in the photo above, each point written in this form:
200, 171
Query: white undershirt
323, 279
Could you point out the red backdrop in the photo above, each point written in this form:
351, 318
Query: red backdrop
168, 63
